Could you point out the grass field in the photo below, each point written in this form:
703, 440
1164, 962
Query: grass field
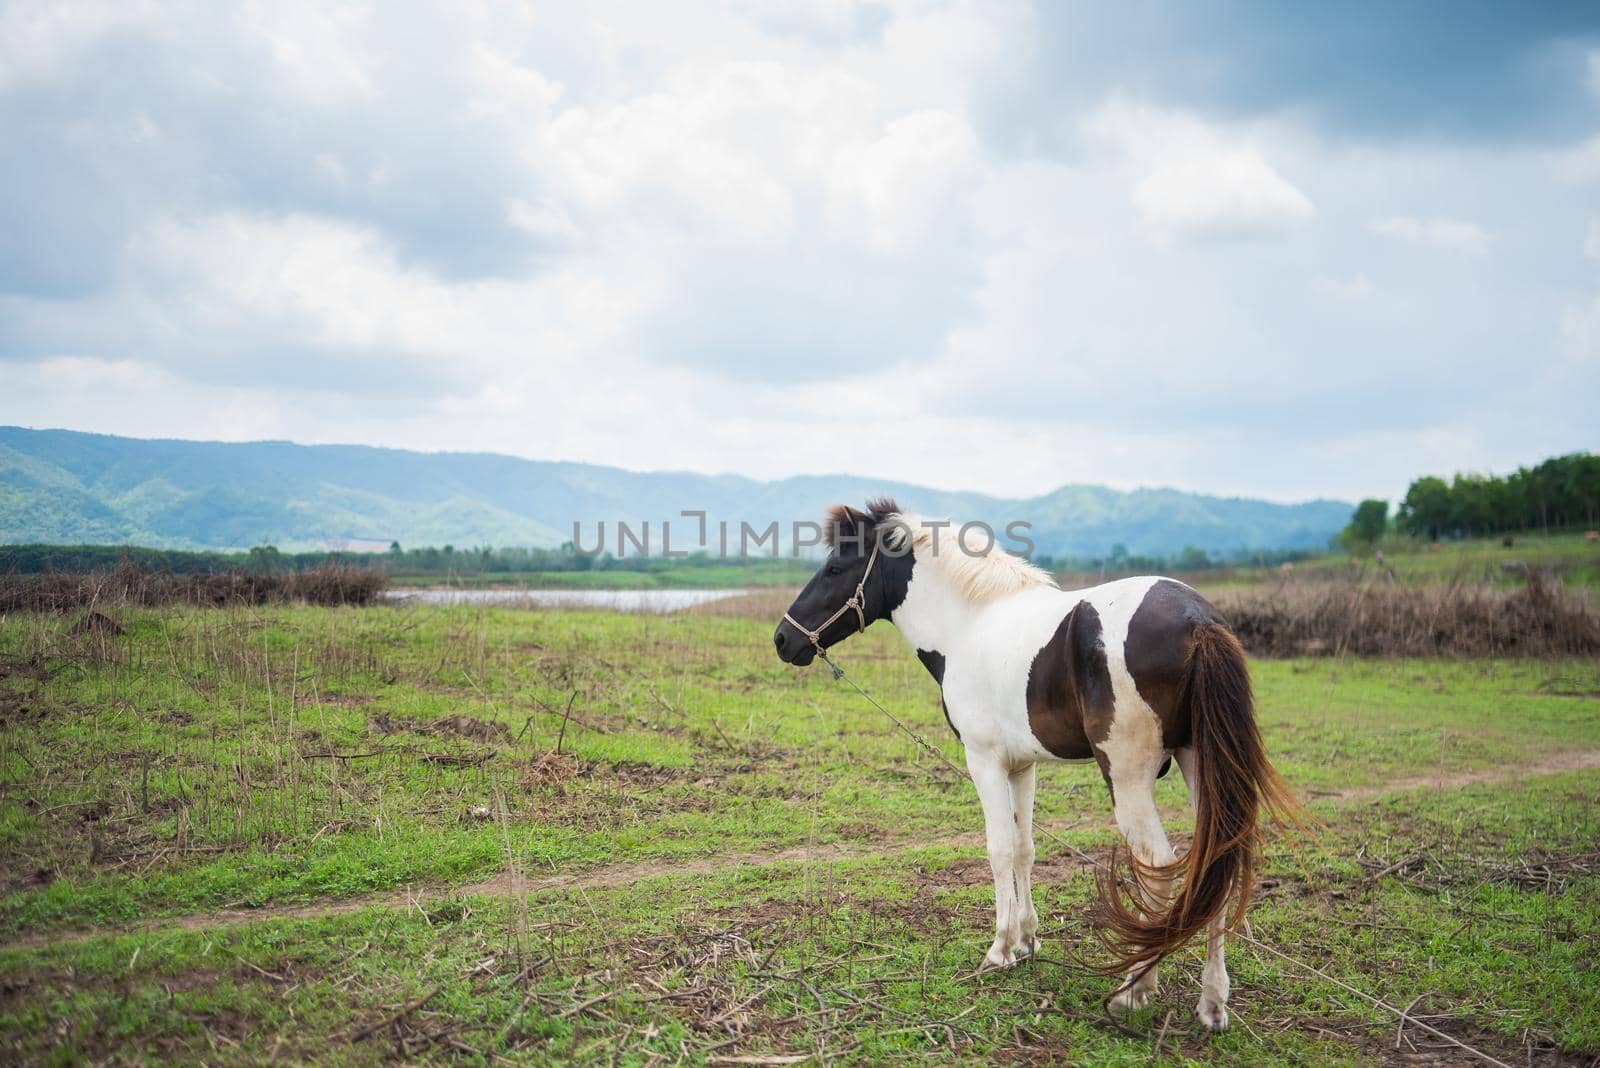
1570, 557
462, 834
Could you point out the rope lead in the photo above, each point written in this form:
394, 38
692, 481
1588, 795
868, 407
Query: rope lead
923, 743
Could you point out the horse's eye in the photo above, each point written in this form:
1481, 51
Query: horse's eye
834, 569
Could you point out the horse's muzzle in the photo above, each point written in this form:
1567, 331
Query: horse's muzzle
793, 647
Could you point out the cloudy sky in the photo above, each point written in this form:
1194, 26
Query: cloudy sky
992, 246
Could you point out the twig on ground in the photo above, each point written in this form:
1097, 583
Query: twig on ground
1364, 996
372, 1029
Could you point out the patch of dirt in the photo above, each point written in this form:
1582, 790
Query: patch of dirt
1555, 763
469, 727
634, 774
26, 667
16, 710
1413, 1046
1052, 868
551, 771
24, 877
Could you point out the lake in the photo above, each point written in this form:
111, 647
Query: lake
656, 601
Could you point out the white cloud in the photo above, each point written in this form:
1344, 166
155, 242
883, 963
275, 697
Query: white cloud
1220, 195
259, 301
38, 36
1357, 287
546, 220
324, 53
1442, 233
899, 186
1196, 180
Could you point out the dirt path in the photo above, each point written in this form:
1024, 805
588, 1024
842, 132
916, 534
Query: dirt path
1059, 863
501, 884
1571, 760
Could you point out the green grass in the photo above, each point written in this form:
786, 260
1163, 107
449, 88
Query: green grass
714, 817
1570, 557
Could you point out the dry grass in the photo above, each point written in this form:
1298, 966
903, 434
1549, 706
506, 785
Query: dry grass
769, 604
1321, 614
330, 584
1341, 616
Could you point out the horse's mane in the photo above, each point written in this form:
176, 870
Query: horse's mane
978, 577
842, 521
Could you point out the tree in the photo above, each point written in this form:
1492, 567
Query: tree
1583, 485
1367, 524
265, 560
1426, 509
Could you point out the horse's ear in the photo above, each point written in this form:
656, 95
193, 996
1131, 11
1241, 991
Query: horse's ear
845, 522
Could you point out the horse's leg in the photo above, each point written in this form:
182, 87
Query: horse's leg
994, 790
1213, 1008
1022, 783
1133, 787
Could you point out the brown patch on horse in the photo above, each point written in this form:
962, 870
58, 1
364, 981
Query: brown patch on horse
1160, 641
933, 660
1070, 703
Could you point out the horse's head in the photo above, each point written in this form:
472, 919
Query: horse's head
852, 587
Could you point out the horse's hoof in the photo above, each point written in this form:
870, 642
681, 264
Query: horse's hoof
1213, 1015
1130, 1000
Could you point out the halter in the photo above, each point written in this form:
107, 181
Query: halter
857, 601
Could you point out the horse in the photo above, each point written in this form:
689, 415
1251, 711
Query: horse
1134, 674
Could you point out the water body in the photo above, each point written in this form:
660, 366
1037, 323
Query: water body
654, 601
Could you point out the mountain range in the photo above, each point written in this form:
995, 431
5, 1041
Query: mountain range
67, 487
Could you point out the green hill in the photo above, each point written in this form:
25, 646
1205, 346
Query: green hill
61, 486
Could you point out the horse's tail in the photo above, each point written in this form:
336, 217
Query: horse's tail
1233, 782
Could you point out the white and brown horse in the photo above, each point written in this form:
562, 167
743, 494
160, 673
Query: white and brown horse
1132, 674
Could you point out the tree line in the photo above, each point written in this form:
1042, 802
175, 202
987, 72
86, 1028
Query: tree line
513, 561
1559, 493
1562, 492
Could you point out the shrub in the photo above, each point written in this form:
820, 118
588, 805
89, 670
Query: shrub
1339, 616
329, 584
